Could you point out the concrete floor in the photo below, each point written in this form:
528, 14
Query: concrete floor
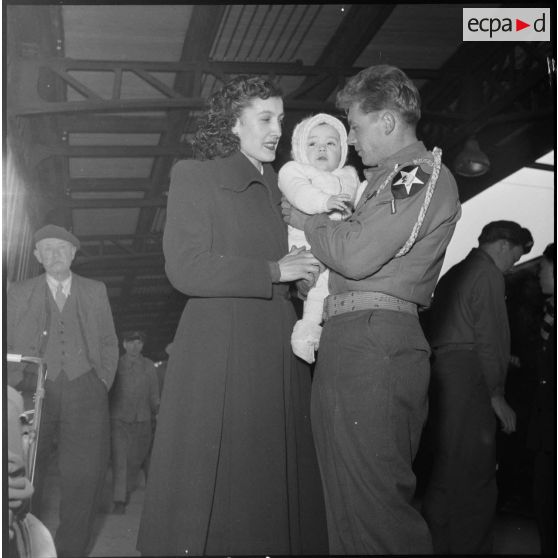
116, 534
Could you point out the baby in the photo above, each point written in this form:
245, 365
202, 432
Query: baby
316, 182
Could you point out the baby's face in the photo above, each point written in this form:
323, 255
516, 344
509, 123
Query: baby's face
323, 147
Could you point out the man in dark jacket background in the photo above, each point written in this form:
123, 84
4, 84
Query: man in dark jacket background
66, 319
542, 428
470, 339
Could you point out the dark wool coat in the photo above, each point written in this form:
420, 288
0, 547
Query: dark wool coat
233, 468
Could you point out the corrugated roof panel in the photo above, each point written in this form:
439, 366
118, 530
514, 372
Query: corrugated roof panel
127, 32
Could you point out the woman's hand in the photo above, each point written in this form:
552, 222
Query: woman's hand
299, 263
293, 216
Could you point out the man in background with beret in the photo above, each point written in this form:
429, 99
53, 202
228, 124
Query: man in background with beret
134, 404
470, 339
66, 319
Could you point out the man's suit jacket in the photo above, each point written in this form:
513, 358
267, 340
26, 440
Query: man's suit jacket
28, 319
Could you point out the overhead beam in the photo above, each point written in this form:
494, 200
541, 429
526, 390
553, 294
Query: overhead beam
34, 104
328, 63
109, 203
541, 166
110, 184
156, 259
129, 105
112, 123
110, 151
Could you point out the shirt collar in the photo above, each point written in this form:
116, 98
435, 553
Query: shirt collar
408, 153
53, 284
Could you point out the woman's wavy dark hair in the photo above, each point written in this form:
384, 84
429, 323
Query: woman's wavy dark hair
214, 137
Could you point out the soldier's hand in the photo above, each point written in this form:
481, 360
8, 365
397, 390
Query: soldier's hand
293, 216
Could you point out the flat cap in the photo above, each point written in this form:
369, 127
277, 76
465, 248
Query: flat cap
507, 230
54, 231
134, 335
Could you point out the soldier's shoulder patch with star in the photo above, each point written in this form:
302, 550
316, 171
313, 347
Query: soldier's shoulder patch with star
410, 180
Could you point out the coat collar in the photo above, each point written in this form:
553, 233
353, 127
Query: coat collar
237, 173
479, 254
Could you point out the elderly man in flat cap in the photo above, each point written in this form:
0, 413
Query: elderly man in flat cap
470, 339
134, 403
66, 319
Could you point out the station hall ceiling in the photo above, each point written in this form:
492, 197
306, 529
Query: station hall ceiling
101, 100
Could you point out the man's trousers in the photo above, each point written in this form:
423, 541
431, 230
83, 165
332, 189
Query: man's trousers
460, 500
75, 424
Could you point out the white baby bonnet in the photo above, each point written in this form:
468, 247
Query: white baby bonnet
302, 129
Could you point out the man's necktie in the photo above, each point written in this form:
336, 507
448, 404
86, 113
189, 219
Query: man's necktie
60, 297
548, 320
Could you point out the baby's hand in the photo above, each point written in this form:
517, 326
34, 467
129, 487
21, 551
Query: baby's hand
338, 202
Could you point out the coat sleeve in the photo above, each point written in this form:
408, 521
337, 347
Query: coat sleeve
154, 395
192, 264
108, 342
359, 247
488, 323
300, 191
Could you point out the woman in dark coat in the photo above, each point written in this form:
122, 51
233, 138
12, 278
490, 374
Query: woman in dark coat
233, 469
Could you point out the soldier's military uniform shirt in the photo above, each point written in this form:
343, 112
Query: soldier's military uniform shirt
360, 251
135, 394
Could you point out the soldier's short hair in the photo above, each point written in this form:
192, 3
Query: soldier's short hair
382, 87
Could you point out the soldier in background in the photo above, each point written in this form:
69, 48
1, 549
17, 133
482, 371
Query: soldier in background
133, 408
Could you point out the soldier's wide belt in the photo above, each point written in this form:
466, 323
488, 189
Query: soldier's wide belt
353, 301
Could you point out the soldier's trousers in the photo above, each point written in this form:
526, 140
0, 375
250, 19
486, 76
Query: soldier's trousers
130, 442
460, 500
369, 405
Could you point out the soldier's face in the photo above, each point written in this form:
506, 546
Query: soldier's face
367, 134
56, 255
133, 347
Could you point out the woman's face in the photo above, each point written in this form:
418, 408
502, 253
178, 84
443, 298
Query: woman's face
259, 129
